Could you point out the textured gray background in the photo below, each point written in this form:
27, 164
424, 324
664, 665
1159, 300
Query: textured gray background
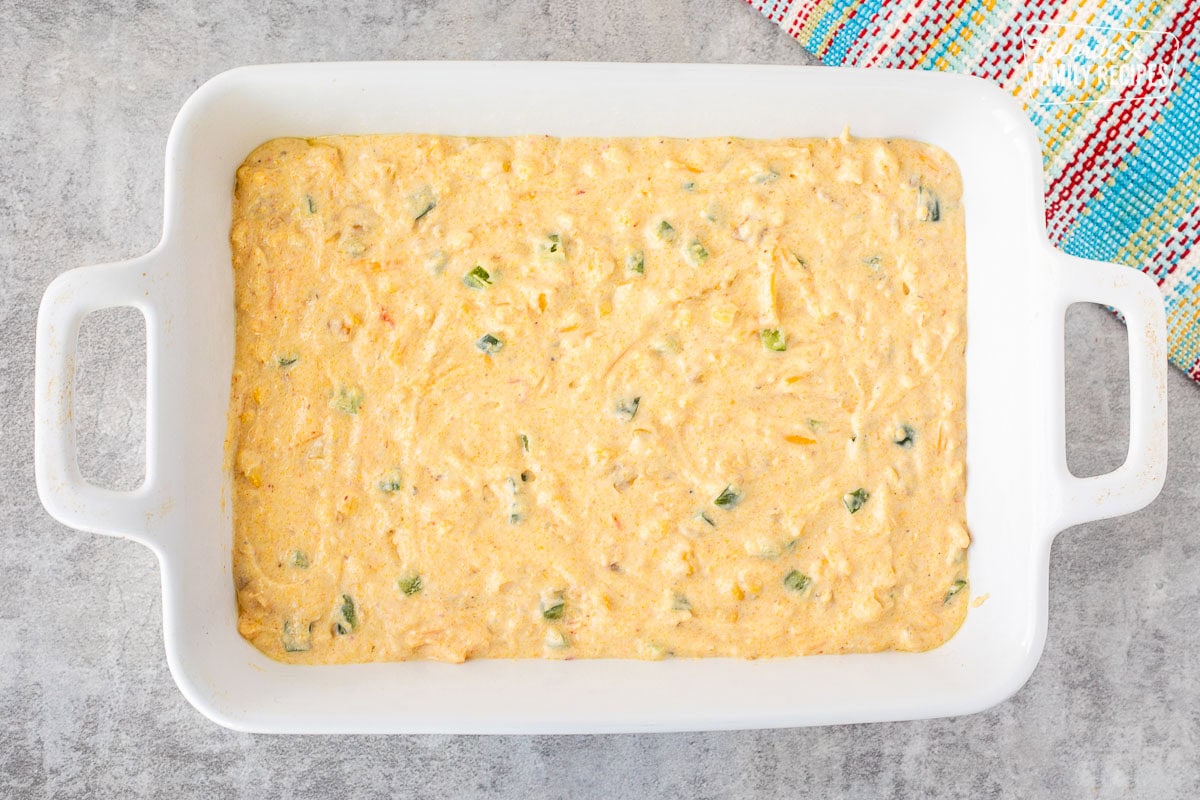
87, 707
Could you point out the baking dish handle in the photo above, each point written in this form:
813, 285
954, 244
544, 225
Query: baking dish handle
1139, 480
64, 492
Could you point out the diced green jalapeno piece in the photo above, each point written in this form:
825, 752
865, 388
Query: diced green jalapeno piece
552, 248
668, 345
524, 442
773, 339
489, 344
815, 424
310, 204
298, 559
728, 498
410, 583
905, 436
436, 262
556, 639
770, 176
423, 201
553, 607
855, 500
347, 617
349, 399
297, 636
287, 360
636, 263
680, 602
954, 590
766, 550
873, 262
796, 581
689, 186
665, 231
697, 253
928, 207
477, 278
515, 506
390, 482
706, 519
627, 409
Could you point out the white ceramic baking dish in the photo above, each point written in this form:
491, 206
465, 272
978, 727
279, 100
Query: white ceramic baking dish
1020, 493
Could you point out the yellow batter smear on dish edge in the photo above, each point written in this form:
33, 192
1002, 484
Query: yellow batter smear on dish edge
574, 398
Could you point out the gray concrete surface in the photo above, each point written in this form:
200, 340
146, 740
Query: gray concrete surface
87, 708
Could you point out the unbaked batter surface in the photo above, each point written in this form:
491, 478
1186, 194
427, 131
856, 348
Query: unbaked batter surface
537, 397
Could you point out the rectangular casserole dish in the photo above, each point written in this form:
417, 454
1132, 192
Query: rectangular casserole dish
1020, 493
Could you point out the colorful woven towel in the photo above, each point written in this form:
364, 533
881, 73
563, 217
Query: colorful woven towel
1109, 85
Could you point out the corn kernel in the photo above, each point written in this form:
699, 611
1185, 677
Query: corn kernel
723, 315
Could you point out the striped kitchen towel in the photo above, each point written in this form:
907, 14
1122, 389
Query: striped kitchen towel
1110, 88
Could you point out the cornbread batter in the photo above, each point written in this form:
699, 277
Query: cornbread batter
537, 397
